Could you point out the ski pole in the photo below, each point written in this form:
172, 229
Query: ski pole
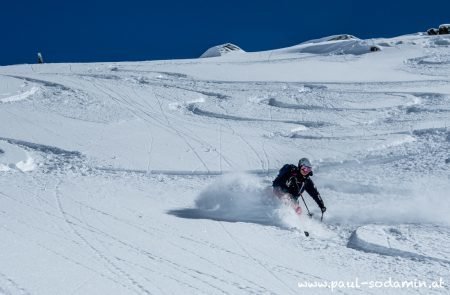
307, 209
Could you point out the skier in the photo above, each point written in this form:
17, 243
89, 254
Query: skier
293, 180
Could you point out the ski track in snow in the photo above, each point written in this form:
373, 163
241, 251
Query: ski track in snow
391, 241
127, 178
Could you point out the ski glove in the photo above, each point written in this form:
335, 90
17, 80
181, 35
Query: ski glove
323, 209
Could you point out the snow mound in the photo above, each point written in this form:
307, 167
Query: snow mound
408, 240
220, 50
12, 90
15, 158
335, 44
20, 96
340, 37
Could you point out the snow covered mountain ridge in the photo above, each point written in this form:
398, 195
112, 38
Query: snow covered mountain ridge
336, 44
154, 177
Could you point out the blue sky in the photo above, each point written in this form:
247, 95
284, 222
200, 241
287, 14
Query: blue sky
86, 31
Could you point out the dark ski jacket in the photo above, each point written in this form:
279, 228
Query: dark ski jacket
290, 180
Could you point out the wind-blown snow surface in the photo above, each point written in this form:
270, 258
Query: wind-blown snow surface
151, 177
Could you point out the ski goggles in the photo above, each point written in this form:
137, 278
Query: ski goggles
306, 169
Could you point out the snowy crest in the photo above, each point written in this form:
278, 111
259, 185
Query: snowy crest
335, 44
220, 50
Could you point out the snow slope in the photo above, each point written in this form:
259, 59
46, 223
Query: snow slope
152, 177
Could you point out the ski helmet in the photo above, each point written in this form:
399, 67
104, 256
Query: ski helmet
304, 162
